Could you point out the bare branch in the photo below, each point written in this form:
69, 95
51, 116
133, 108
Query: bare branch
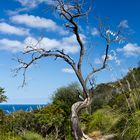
101, 68
109, 37
41, 54
70, 12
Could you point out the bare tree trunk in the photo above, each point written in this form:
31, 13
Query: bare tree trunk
76, 107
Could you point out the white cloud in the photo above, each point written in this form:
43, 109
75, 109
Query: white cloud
34, 3
112, 57
38, 22
34, 21
68, 44
45, 43
16, 11
28, 5
68, 70
130, 49
95, 32
10, 45
9, 29
123, 24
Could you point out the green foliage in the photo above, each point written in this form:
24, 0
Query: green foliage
132, 128
66, 96
19, 121
27, 135
128, 127
1, 117
52, 115
115, 109
102, 120
9, 136
48, 118
3, 98
126, 102
111, 93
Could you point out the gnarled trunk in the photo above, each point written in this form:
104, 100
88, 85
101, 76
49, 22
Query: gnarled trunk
76, 107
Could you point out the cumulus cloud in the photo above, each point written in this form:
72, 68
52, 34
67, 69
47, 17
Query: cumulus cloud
130, 49
9, 29
95, 32
34, 3
10, 45
27, 5
34, 21
67, 44
38, 22
68, 70
123, 24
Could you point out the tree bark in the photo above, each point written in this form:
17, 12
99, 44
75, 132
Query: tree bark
76, 107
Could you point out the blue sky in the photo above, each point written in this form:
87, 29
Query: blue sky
23, 22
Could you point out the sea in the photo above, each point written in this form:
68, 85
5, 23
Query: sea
9, 108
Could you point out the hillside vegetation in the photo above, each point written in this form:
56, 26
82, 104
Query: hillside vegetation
115, 110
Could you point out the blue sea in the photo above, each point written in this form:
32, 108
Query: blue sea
9, 108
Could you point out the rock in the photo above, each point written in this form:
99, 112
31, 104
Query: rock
97, 135
110, 137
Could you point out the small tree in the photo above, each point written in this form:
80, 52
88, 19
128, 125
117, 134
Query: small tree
71, 12
3, 98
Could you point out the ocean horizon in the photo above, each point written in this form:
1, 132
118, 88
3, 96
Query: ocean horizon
9, 108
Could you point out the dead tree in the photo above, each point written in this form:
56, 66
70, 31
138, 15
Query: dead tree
71, 12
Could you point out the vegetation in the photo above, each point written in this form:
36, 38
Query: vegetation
118, 113
3, 98
73, 13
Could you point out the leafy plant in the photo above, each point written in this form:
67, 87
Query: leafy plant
102, 120
3, 98
27, 135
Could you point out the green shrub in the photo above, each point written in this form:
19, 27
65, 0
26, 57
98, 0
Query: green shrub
66, 97
19, 121
3, 98
27, 135
49, 119
127, 102
129, 127
102, 120
8, 136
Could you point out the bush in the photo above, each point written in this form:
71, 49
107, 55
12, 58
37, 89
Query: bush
8, 136
129, 126
49, 119
102, 120
27, 135
127, 102
67, 96
19, 121
3, 98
